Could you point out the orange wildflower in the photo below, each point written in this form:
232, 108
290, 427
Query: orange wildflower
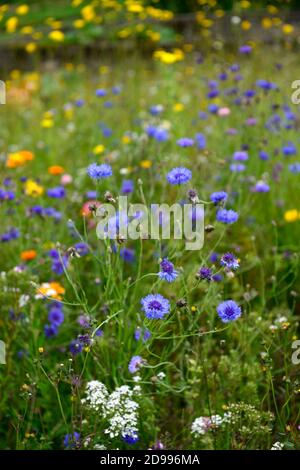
28, 255
55, 170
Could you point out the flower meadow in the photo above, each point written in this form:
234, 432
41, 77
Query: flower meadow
142, 344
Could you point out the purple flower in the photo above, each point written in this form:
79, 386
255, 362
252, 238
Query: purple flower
6, 195
229, 311
75, 347
50, 330
161, 135
135, 364
185, 142
261, 187
81, 248
227, 216
11, 234
229, 261
167, 271
294, 167
156, 109
130, 437
127, 186
59, 265
91, 195
289, 149
158, 133
213, 108
201, 141
56, 316
205, 273
237, 167
100, 92
142, 334
179, 175
245, 49
127, 255
72, 440
219, 196
155, 306
263, 155
58, 193
240, 156
98, 172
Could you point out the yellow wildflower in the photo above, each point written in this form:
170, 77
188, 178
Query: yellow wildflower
98, 149
291, 215
33, 189
11, 24
56, 35
22, 9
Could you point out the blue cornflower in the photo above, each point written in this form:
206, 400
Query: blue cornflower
218, 196
234, 68
98, 172
155, 110
59, 265
50, 330
240, 156
223, 76
143, 334
213, 108
135, 364
179, 175
100, 92
212, 94
81, 248
294, 167
265, 84
217, 277
71, 440
158, 133
249, 93
229, 311
261, 187
127, 254
155, 306
130, 437
205, 273
91, 195
263, 155
75, 347
245, 49
127, 186
106, 132
227, 216
56, 316
185, 142
161, 135
6, 195
201, 141
167, 271
237, 167
11, 234
58, 193
79, 103
229, 261
289, 149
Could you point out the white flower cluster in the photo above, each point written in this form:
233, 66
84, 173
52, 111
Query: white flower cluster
122, 412
96, 395
203, 424
277, 446
119, 407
